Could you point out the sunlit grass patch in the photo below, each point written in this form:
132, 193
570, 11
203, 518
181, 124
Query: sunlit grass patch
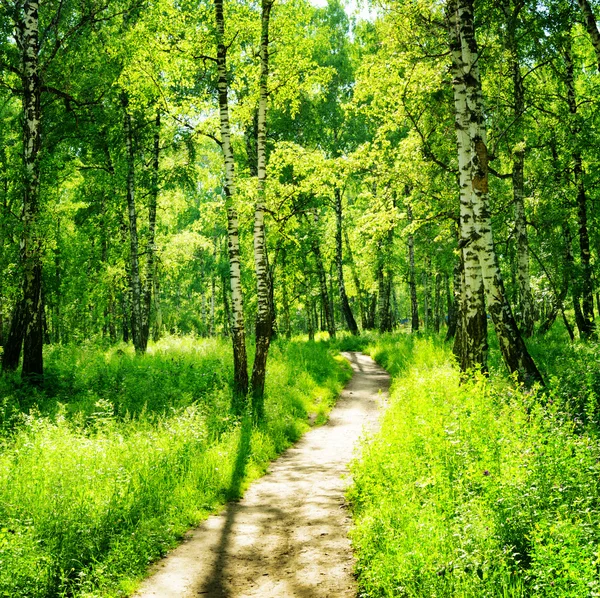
102, 473
475, 489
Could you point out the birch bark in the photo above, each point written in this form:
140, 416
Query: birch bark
27, 321
238, 334
591, 26
476, 230
339, 262
264, 318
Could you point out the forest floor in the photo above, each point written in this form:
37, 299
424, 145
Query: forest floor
288, 536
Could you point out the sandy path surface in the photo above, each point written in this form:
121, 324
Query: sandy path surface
288, 536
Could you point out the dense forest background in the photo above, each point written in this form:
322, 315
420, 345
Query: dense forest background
190, 191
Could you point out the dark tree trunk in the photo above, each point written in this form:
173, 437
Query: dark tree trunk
151, 250
14, 340
134, 265
328, 316
412, 277
359, 290
452, 300
438, 303
583, 289
346, 310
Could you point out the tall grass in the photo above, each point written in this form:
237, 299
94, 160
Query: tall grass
106, 468
475, 490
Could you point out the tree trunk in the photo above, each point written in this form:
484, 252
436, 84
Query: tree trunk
139, 341
26, 324
452, 300
412, 279
284, 298
264, 320
359, 290
326, 305
238, 334
591, 26
476, 232
525, 299
438, 303
583, 289
149, 283
346, 310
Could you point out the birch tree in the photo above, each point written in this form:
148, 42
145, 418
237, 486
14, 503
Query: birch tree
264, 316
477, 243
238, 333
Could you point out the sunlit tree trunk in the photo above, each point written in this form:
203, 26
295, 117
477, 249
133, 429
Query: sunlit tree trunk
238, 333
591, 26
339, 261
26, 325
264, 317
476, 232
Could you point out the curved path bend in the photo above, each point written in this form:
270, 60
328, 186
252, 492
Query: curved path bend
288, 536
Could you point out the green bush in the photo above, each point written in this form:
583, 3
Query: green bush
474, 490
124, 454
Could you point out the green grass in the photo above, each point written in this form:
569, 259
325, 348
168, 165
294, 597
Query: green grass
107, 467
480, 489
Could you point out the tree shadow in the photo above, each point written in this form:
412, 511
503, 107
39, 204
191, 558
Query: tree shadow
214, 586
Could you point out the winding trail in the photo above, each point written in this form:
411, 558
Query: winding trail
288, 536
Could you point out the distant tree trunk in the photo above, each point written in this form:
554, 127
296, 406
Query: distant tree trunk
477, 241
412, 278
284, 297
558, 297
359, 290
158, 317
452, 299
438, 303
240, 360
583, 289
213, 287
14, 340
346, 309
151, 251
316, 249
139, 342
310, 318
525, 299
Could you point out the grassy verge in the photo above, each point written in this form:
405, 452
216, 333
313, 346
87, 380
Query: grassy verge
103, 470
480, 490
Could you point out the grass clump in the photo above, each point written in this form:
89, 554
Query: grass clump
103, 470
474, 490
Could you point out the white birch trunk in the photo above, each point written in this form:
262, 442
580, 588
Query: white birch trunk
238, 332
474, 183
261, 264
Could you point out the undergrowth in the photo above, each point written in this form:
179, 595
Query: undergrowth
480, 489
106, 467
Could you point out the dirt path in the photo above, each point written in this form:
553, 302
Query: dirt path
288, 536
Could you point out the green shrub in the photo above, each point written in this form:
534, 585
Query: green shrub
125, 453
473, 490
